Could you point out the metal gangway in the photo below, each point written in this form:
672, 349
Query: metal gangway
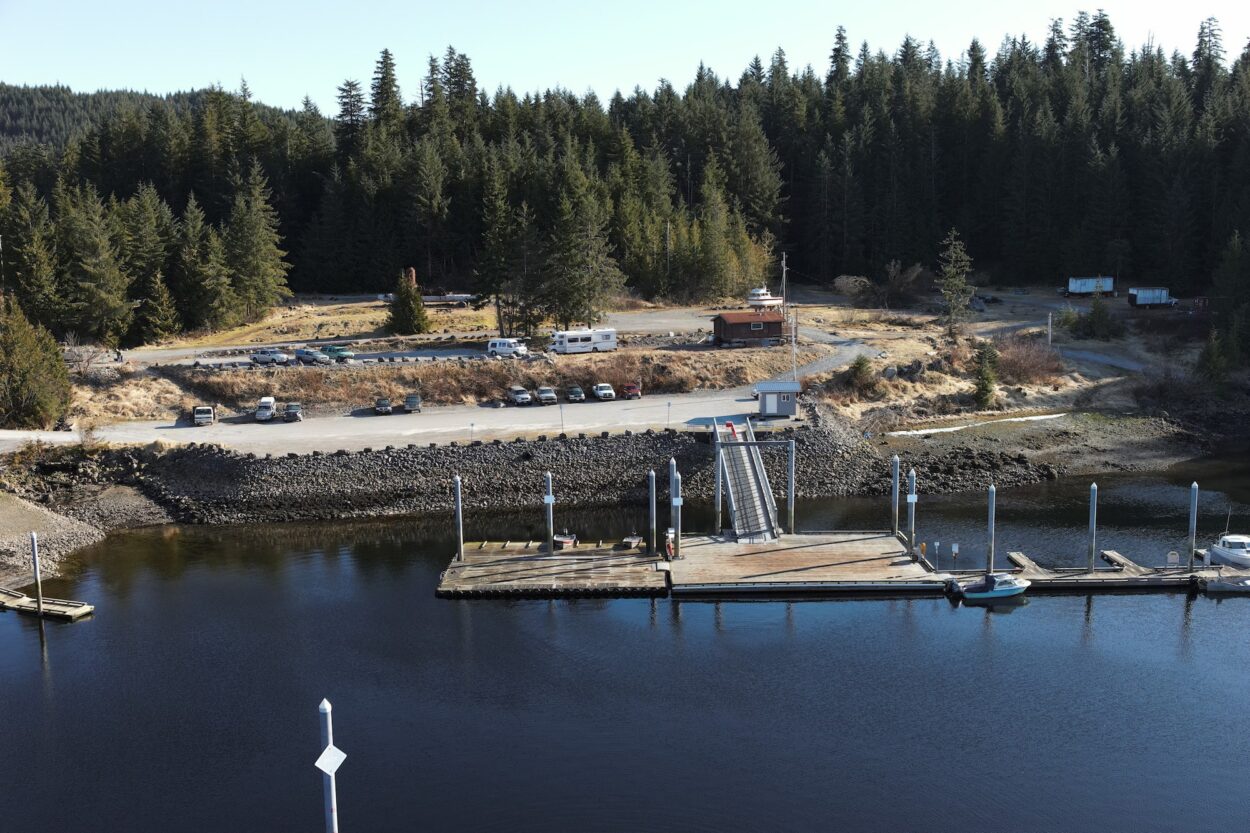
752, 509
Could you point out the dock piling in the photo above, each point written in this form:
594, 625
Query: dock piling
719, 478
1093, 524
459, 521
34, 557
550, 499
676, 512
911, 512
989, 555
651, 492
1193, 523
790, 489
894, 484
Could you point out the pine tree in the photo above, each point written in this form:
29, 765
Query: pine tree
494, 269
100, 307
1212, 363
349, 127
407, 314
31, 268
156, 318
253, 248
581, 273
955, 266
34, 382
146, 241
386, 106
201, 286
431, 204
987, 374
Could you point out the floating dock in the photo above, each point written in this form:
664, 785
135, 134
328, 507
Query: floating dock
529, 570
818, 564
52, 608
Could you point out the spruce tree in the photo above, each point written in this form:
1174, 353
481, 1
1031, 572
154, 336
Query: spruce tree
986, 374
254, 251
431, 204
386, 106
494, 270
201, 286
407, 314
955, 266
30, 267
1212, 365
100, 307
34, 381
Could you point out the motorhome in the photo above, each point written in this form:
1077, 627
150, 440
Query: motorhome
583, 341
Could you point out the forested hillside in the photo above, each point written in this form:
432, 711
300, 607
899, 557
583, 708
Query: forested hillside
1077, 155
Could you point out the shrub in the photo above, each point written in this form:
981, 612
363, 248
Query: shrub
34, 381
859, 375
1024, 359
1097, 323
1212, 362
987, 374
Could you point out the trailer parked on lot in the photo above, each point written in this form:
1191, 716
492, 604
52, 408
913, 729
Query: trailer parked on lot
1101, 285
583, 341
1150, 296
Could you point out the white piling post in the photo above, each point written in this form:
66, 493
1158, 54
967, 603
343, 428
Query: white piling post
651, 492
911, 512
459, 521
329, 762
550, 500
34, 557
676, 515
720, 496
790, 488
1050, 328
989, 556
894, 484
1093, 524
1193, 523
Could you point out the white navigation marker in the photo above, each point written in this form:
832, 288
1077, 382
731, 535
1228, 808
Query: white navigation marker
328, 762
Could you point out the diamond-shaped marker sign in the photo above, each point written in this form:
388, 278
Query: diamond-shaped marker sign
331, 759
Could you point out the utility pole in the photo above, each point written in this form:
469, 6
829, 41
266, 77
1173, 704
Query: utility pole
794, 321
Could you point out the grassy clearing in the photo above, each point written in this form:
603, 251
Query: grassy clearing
124, 393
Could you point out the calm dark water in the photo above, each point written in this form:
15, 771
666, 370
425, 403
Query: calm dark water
189, 701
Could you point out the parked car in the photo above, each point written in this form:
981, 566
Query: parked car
338, 353
603, 392
293, 412
547, 396
310, 355
266, 408
575, 394
412, 403
631, 391
382, 406
518, 395
203, 415
506, 347
270, 356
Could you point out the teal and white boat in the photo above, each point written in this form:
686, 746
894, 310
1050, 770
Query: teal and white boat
994, 586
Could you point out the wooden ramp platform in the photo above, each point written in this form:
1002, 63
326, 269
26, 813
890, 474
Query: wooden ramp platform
827, 562
527, 570
1123, 574
52, 608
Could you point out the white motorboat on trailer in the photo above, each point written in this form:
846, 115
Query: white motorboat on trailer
761, 298
994, 586
1233, 550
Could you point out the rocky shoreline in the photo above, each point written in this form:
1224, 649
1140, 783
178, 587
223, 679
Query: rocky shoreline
111, 488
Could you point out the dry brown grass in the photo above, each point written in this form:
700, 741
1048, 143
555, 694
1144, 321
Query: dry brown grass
1027, 360
126, 393
471, 381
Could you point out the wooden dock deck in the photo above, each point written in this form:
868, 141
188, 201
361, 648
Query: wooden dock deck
52, 608
826, 562
527, 570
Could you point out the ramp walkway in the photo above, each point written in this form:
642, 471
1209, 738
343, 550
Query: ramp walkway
752, 508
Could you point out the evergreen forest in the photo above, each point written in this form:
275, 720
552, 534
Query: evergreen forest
127, 218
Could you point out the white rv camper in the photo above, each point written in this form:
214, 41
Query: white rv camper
583, 341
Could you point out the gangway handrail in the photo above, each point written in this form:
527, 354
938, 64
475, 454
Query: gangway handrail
761, 479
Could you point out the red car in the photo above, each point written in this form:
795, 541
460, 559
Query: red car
631, 391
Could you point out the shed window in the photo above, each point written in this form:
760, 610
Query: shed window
785, 397
757, 325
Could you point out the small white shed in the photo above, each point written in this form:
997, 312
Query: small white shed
778, 399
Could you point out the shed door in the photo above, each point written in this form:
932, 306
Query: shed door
770, 403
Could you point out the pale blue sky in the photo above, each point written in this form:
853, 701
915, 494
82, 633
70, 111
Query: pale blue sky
286, 48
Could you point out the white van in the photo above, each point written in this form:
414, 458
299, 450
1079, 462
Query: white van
266, 408
583, 341
506, 347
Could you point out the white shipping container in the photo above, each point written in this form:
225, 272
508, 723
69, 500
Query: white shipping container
1089, 286
1150, 296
